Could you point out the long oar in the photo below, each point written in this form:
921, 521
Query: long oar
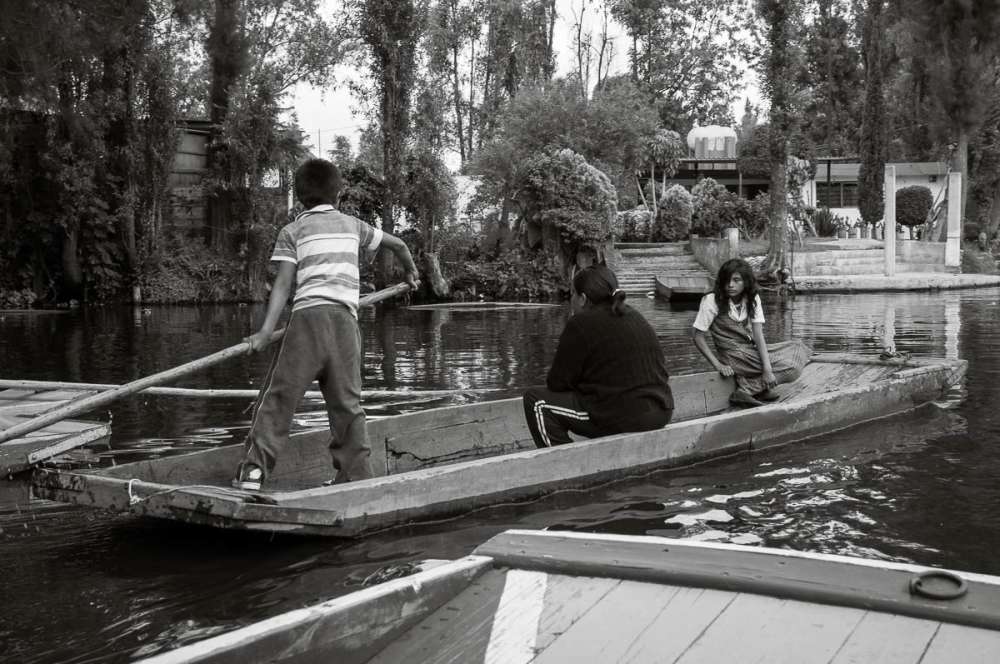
85, 404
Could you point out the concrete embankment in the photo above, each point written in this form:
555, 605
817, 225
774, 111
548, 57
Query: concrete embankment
903, 281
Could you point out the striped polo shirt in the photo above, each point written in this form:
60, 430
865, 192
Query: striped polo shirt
324, 245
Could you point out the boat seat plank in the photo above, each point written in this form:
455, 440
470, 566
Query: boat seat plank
617, 624
968, 645
888, 639
758, 628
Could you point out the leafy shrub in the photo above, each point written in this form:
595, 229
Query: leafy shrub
825, 222
632, 225
563, 191
187, 271
673, 218
715, 208
912, 205
17, 299
513, 275
754, 215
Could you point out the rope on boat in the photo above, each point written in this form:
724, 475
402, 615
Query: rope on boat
135, 499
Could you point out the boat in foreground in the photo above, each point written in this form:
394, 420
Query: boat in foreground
451, 460
543, 596
682, 288
23, 452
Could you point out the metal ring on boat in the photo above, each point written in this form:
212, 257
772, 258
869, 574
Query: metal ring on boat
917, 586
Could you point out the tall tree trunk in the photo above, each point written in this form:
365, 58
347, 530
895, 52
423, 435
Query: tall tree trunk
227, 59
457, 94
993, 223
777, 226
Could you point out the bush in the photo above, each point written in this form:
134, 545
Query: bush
561, 190
913, 204
825, 222
715, 208
514, 275
632, 225
17, 299
673, 218
754, 215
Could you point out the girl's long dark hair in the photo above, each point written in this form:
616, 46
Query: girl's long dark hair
600, 285
726, 271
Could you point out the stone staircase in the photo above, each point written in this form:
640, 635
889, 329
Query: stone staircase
637, 264
855, 261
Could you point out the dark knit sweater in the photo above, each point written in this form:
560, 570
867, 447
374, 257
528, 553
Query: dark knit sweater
614, 363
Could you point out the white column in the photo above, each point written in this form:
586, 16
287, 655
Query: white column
953, 241
889, 220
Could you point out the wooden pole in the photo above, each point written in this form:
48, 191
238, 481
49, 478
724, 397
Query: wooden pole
84, 404
225, 393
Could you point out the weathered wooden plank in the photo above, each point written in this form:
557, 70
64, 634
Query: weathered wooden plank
567, 600
954, 643
470, 614
20, 405
887, 639
346, 630
837, 580
677, 623
609, 629
755, 628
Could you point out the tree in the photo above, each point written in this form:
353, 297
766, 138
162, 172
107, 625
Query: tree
913, 203
781, 19
956, 46
664, 149
391, 30
257, 51
430, 199
874, 152
610, 132
684, 53
833, 74
571, 204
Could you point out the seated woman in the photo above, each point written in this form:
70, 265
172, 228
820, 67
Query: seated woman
735, 317
608, 376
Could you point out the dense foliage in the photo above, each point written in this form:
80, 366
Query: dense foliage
913, 204
571, 201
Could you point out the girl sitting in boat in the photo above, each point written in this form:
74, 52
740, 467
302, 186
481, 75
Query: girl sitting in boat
734, 316
608, 376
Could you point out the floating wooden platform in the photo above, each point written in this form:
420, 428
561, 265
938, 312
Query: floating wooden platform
450, 460
540, 596
18, 405
683, 288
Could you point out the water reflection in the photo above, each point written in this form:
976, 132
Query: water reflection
918, 487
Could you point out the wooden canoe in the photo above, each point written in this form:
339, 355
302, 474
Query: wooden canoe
450, 460
543, 596
20, 405
682, 288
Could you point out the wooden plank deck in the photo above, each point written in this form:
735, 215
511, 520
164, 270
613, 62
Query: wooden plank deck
517, 616
548, 597
19, 405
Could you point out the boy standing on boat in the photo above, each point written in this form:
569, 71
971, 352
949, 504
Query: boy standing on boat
318, 254
734, 316
609, 375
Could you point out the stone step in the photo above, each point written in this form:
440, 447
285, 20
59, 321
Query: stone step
839, 270
924, 267
678, 250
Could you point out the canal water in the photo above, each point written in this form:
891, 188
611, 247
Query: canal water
82, 586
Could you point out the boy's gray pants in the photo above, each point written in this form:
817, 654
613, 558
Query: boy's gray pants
321, 343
